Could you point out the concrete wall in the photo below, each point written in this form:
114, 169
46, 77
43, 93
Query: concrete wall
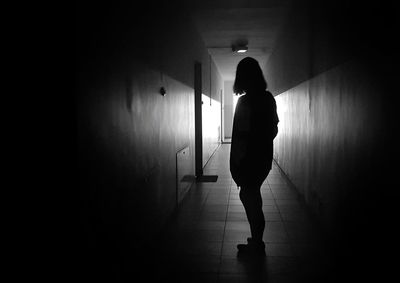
129, 134
334, 87
328, 128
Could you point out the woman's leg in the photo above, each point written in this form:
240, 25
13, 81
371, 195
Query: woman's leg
252, 202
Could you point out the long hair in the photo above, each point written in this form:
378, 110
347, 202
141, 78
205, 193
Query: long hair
249, 77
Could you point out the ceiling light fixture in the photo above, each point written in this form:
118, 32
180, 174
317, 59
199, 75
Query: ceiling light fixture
239, 49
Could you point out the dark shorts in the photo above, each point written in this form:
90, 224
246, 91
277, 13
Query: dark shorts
250, 179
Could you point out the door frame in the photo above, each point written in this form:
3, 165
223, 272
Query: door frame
198, 125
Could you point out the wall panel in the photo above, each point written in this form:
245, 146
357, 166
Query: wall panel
128, 133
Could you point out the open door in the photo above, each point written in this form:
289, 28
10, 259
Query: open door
198, 122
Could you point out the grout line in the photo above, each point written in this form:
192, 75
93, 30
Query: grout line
290, 241
226, 213
283, 222
300, 198
223, 235
212, 155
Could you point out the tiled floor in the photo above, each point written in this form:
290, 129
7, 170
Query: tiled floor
200, 244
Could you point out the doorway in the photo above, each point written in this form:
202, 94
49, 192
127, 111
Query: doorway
228, 107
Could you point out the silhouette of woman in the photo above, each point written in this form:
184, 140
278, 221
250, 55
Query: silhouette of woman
254, 129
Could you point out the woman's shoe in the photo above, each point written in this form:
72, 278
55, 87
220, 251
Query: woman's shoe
252, 247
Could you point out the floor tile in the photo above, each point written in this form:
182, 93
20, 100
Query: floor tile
275, 236
199, 245
235, 202
281, 265
236, 236
208, 235
229, 249
284, 196
233, 278
236, 216
274, 249
197, 277
212, 216
209, 225
270, 208
212, 207
235, 208
201, 248
200, 264
272, 216
237, 225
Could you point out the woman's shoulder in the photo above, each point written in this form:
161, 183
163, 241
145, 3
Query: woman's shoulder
269, 97
268, 93
243, 99
259, 99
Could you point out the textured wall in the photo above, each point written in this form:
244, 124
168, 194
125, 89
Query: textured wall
328, 129
335, 89
129, 134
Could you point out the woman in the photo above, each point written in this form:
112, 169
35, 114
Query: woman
254, 129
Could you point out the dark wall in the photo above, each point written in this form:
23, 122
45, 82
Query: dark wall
128, 133
333, 73
327, 33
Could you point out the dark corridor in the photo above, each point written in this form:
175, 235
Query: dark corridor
330, 201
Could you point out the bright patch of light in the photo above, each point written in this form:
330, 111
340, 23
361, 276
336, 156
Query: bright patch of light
235, 100
211, 118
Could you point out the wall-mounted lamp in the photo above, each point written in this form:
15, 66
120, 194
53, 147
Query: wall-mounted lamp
163, 92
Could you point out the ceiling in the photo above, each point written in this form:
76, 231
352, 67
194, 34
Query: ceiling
223, 23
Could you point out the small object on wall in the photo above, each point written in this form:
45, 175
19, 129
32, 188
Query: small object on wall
163, 92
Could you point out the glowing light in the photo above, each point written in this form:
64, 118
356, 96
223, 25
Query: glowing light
239, 48
235, 100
